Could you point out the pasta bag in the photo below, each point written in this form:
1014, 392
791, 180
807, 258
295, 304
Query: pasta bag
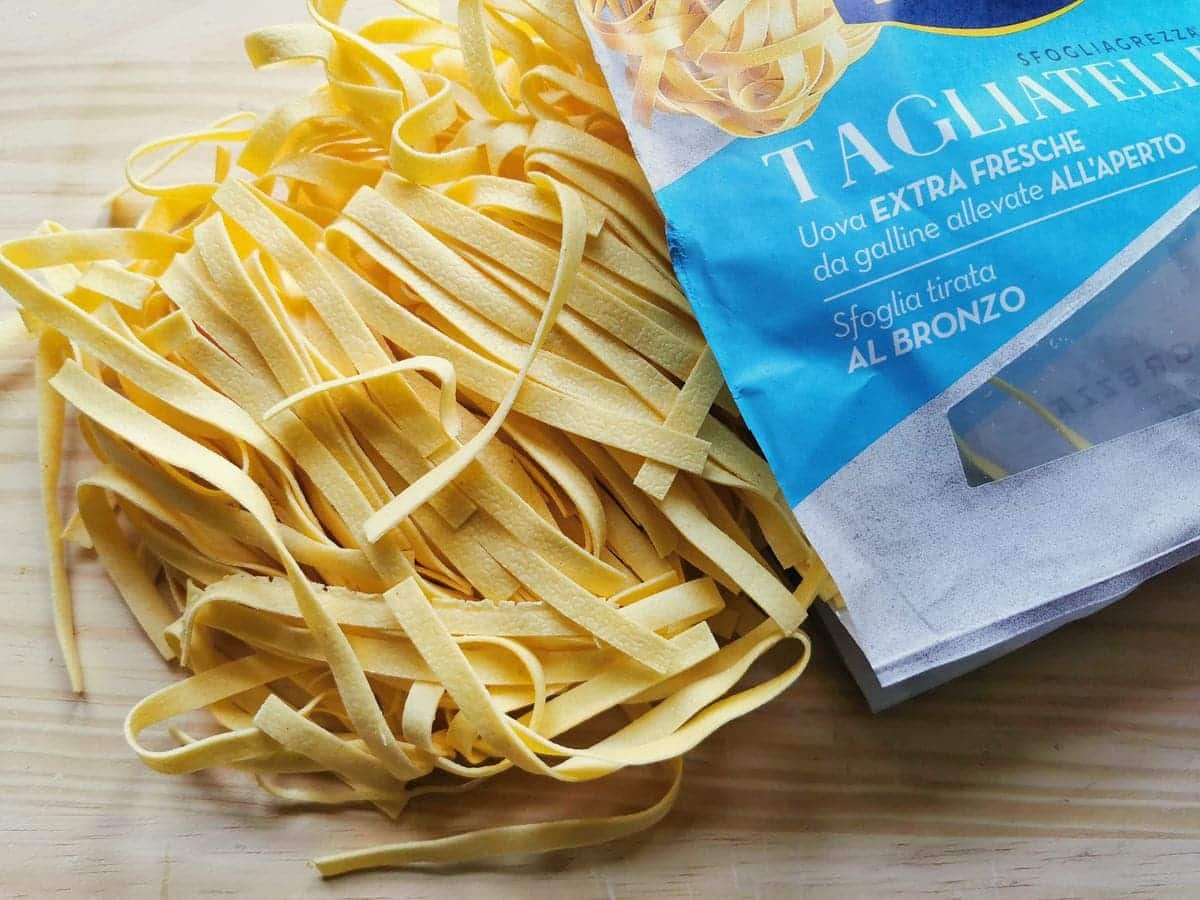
945, 255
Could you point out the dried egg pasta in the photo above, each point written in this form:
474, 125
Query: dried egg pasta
409, 446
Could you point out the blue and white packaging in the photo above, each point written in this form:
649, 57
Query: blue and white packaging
947, 256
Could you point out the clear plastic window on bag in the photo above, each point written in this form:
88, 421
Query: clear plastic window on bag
1127, 360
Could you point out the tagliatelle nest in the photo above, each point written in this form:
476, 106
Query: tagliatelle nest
749, 67
409, 445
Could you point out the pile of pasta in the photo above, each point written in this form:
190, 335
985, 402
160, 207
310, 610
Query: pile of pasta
409, 447
749, 67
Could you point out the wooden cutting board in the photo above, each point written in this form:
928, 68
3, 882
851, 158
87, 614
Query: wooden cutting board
1068, 769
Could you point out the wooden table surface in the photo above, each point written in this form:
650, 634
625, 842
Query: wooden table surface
1068, 769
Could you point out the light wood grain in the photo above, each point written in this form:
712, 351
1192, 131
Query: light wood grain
1069, 769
